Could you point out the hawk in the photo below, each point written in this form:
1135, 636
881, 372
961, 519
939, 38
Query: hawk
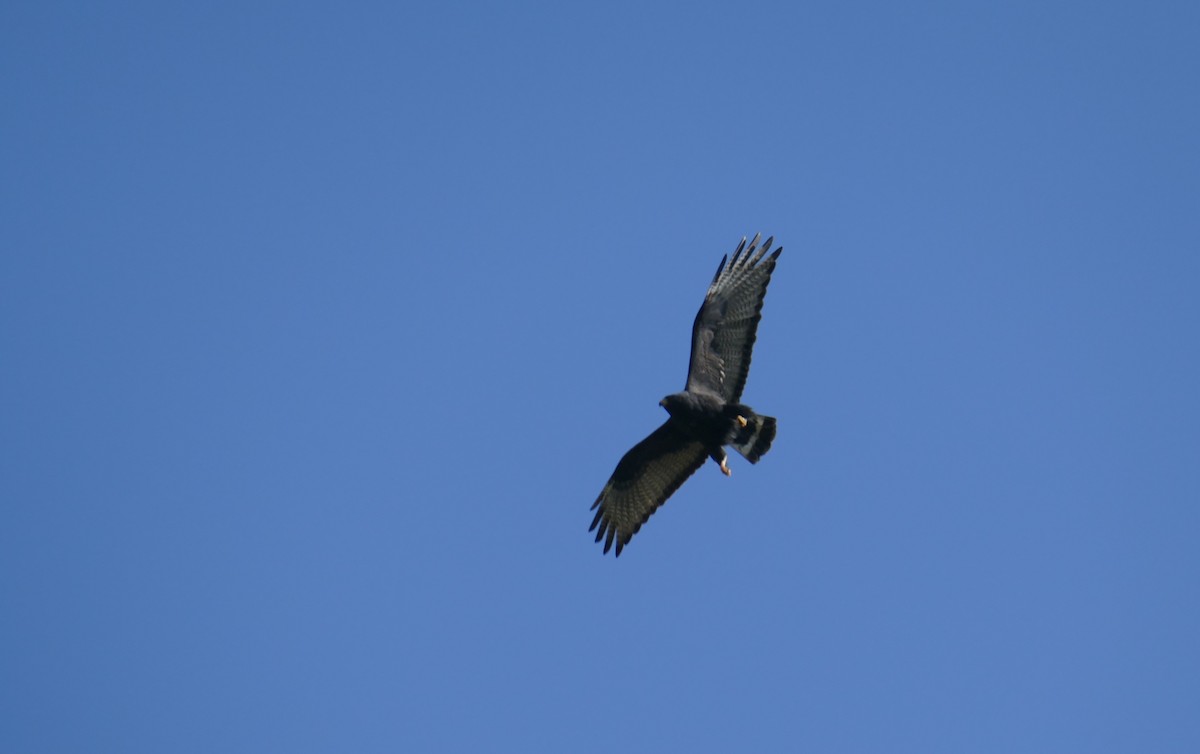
708, 414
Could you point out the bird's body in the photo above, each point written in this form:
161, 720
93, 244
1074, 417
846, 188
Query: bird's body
707, 415
716, 424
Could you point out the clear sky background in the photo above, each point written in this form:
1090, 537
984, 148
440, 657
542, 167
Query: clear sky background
321, 328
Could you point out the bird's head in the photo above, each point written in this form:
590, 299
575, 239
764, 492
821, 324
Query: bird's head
673, 403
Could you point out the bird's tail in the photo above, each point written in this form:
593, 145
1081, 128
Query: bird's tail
754, 439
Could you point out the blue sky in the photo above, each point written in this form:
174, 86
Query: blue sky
322, 327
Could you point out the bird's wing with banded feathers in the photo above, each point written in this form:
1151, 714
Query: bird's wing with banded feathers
727, 323
645, 477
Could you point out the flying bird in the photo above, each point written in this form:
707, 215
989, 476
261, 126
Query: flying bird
708, 414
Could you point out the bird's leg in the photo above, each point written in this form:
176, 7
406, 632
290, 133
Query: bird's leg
725, 469
741, 420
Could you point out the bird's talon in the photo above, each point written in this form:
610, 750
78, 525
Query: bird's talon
725, 469
742, 420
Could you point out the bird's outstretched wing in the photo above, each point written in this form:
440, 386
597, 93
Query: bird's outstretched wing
725, 327
646, 476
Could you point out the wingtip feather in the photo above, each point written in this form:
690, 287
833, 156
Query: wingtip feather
737, 253
720, 268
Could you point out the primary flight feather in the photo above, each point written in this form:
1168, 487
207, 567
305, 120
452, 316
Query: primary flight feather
708, 414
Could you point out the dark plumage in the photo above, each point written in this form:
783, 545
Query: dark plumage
707, 415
